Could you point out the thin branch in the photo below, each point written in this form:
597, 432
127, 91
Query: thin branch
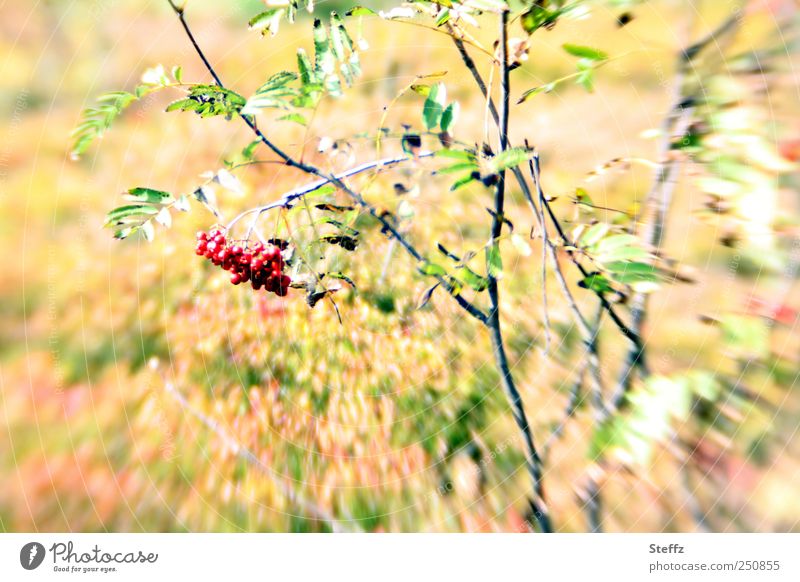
308, 507
386, 225
533, 461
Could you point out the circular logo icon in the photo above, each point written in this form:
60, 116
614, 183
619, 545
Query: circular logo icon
31, 555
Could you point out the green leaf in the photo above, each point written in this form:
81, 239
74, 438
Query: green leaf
461, 182
432, 269
304, 66
614, 242
510, 158
433, 109
449, 116
421, 89
623, 254
182, 105
593, 234
494, 261
325, 60
456, 154
549, 87
458, 168
267, 21
294, 117
360, 11
275, 93
149, 195
250, 149
585, 52
537, 17
209, 101
641, 277
586, 80
582, 196
471, 278
129, 210
95, 121
597, 283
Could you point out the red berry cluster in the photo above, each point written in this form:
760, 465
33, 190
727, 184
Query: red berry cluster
261, 265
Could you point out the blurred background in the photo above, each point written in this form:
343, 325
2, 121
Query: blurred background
141, 392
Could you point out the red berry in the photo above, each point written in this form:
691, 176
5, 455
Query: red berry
236, 279
212, 246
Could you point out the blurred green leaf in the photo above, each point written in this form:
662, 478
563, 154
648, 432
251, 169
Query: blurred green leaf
585, 52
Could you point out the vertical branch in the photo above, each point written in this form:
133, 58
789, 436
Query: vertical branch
533, 461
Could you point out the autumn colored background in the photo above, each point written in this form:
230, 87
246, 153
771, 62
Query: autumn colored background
114, 356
